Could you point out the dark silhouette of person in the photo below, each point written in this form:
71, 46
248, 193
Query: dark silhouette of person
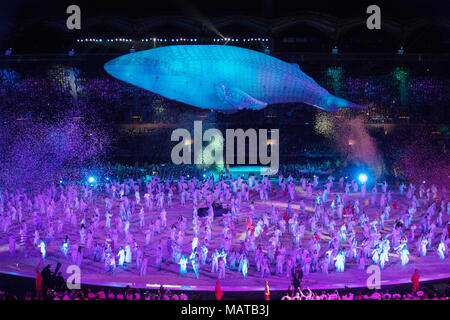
60, 284
297, 275
46, 279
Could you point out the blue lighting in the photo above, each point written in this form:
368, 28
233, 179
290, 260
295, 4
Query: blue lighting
91, 179
220, 77
362, 178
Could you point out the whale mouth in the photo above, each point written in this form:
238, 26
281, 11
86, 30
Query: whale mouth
120, 67
111, 68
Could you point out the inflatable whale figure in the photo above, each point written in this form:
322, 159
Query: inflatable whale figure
223, 78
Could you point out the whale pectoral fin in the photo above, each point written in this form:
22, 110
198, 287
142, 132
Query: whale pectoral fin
239, 99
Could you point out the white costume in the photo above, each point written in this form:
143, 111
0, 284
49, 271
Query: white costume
340, 262
121, 256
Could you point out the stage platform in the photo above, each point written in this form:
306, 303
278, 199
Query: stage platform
431, 269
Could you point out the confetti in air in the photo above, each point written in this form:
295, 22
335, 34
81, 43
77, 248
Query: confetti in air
35, 153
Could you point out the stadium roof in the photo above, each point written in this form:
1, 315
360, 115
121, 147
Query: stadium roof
401, 9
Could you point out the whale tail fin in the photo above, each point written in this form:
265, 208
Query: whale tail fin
335, 103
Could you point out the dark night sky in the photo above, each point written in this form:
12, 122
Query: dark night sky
402, 9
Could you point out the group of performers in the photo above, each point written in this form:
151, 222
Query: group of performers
268, 229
